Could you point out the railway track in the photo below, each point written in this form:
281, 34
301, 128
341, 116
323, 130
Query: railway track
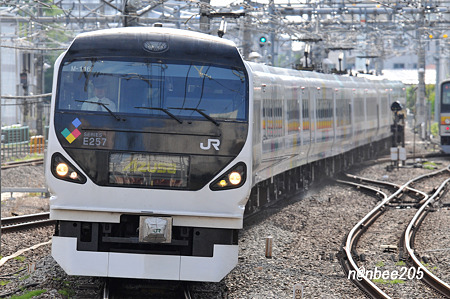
32, 162
19, 223
348, 256
407, 242
130, 288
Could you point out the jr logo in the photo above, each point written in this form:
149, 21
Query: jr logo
214, 142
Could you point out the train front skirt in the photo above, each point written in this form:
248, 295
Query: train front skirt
143, 266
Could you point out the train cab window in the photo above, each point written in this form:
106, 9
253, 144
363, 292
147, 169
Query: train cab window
146, 88
446, 98
446, 93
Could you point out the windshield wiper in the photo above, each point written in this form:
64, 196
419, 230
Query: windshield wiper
199, 112
163, 110
104, 106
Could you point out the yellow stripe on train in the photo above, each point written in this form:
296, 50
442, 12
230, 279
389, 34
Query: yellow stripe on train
445, 120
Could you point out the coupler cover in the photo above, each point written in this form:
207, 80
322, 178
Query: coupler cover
155, 229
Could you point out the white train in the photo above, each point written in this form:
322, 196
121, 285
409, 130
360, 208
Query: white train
160, 139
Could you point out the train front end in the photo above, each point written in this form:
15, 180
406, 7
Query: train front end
149, 155
444, 127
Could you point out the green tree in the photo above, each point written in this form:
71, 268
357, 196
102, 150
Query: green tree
430, 95
411, 96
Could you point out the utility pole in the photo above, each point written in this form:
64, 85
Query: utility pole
39, 69
272, 32
420, 101
177, 15
437, 102
247, 36
204, 18
130, 12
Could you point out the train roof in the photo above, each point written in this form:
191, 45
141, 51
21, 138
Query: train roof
258, 67
155, 42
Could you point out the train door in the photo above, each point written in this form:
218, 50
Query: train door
314, 97
366, 124
306, 117
292, 110
378, 117
334, 115
352, 115
376, 98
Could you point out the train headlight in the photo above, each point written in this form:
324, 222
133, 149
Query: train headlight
233, 178
64, 170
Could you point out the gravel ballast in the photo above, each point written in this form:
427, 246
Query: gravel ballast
307, 233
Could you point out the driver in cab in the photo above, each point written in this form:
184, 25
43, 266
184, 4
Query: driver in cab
99, 101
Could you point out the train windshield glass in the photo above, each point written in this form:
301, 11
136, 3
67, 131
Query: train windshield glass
445, 97
157, 88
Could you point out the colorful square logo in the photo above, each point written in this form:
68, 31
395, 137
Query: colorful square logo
71, 136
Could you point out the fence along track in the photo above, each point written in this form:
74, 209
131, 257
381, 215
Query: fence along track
345, 255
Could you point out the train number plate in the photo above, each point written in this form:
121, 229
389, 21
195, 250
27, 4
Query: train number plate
155, 229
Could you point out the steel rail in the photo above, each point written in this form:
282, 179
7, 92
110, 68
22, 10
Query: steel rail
117, 288
366, 285
106, 289
187, 291
18, 223
429, 278
377, 192
346, 257
408, 157
23, 163
389, 184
